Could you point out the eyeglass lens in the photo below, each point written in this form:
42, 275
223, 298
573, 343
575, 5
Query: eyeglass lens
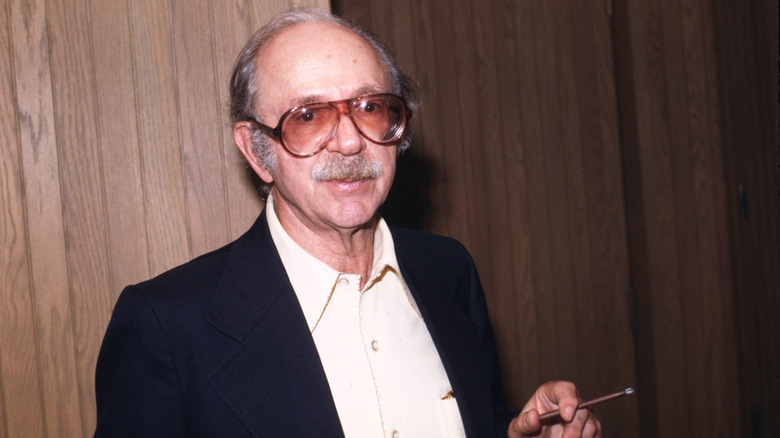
381, 119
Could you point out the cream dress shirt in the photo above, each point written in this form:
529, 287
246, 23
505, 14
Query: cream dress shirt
384, 372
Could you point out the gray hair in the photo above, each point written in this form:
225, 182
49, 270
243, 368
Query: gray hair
243, 88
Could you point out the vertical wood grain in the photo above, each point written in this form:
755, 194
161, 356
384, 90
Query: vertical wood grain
233, 25
444, 120
534, 139
746, 39
521, 331
45, 222
118, 147
676, 212
117, 124
505, 196
595, 215
199, 124
84, 214
157, 121
657, 231
21, 407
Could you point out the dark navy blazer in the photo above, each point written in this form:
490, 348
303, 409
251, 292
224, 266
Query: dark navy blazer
219, 347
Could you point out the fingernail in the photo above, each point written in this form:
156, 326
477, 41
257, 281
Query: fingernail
570, 412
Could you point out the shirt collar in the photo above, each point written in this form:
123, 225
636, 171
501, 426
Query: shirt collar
312, 279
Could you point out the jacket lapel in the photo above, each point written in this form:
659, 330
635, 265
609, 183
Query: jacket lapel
273, 381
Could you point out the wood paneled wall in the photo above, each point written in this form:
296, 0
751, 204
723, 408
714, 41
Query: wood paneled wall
699, 112
677, 218
117, 163
746, 40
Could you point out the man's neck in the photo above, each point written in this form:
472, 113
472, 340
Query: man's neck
345, 250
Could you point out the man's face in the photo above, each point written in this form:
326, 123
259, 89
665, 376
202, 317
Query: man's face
319, 62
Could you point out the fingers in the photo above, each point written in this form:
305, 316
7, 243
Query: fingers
559, 395
592, 428
525, 424
564, 394
584, 424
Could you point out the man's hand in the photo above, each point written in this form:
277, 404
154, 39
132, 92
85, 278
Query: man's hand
550, 396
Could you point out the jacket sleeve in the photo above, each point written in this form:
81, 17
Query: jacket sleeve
136, 382
478, 312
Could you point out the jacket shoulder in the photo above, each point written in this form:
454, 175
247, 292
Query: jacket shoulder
196, 272
421, 242
433, 254
203, 273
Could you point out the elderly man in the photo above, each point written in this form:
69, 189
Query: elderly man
320, 320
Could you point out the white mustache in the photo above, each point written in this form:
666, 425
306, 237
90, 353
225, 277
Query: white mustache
341, 168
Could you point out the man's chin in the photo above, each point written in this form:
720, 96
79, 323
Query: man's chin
354, 222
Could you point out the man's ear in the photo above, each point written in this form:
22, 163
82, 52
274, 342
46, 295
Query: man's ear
242, 136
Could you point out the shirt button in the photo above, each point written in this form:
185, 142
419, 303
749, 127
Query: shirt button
396, 434
343, 281
375, 347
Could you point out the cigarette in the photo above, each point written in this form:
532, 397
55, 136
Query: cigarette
553, 414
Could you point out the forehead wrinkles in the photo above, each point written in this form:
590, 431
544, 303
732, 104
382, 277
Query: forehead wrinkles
310, 61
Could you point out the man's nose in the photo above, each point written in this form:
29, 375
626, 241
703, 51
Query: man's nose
347, 140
